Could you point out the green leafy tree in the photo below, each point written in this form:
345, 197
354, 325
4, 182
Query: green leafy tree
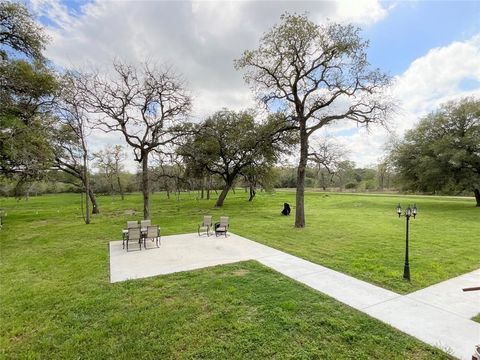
229, 144
258, 174
442, 153
318, 75
19, 32
27, 87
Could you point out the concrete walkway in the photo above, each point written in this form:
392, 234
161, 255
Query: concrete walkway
438, 315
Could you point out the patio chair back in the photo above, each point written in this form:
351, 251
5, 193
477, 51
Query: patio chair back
207, 220
222, 226
132, 224
145, 223
152, 232
134, 234
224, 221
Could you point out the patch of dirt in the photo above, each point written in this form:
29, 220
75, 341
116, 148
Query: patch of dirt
240, 272
168, 300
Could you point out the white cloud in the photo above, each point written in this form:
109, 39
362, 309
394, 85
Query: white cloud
437, 76
430, 81
202, 38
360, 12
199, 38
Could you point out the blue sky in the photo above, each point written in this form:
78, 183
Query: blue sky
431, 48
414, 27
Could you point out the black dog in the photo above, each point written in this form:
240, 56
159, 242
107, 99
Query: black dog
286, 209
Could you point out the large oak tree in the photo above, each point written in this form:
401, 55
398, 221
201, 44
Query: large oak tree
229, 144
27, 87
442, 153
318, 75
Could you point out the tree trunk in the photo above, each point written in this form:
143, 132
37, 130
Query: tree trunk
86, 181
477, 196
120, 188
252, 193
93, 199
209, 186
299, 201
112, 187
223, 195
145, 187
203, 188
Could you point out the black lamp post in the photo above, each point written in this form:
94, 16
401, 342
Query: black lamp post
408, 212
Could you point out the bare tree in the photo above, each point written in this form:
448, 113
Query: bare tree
142, 104
109, 160
118, 158
385, 173
70, 140
319, 74
326, 155
104, 163
169, 171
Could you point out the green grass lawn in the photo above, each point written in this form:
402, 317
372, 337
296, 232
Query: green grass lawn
56, 300
356, 234
476, 318
362, 236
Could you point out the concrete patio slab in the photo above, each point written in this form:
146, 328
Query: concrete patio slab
438, 315
181, 253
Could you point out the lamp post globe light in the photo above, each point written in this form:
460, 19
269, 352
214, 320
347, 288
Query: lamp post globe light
409, 211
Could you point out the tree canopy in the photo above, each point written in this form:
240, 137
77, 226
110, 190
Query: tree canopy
19, 32
230, 143
317, 75
27, 87
442, 153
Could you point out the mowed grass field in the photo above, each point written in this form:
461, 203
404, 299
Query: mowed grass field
57, 302
360, 235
